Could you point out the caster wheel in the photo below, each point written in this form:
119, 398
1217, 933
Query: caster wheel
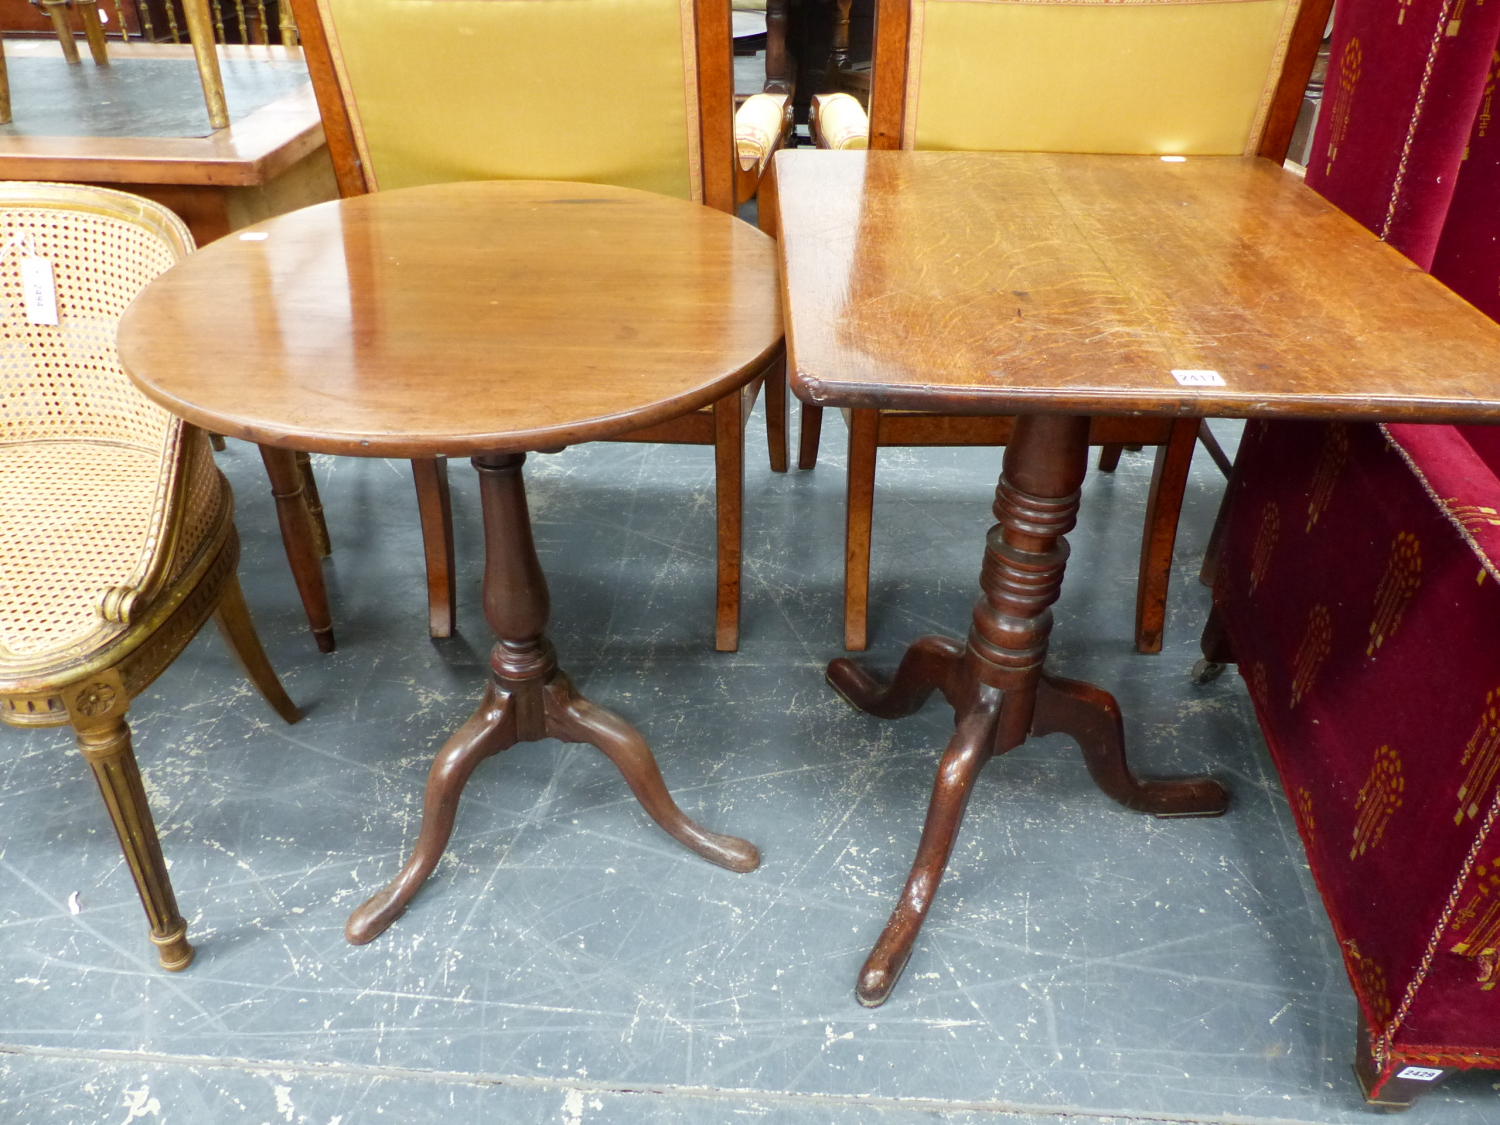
1206, 671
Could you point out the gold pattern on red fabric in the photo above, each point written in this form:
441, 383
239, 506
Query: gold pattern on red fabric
1351, 63
1265, 544
1330, 464
1403, 574
1317, 643
1477, 923
1371, 978
1482, 756
1305, 812
1472, 515
1378, 800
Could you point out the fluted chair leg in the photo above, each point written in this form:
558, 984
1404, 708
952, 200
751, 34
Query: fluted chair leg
97, 710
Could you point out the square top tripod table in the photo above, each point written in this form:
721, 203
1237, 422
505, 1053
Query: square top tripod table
484, 319
1059, 286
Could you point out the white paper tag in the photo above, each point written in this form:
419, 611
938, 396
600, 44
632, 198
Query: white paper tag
1199, 378
1419, 1073
39, 290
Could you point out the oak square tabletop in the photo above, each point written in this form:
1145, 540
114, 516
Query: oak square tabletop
1011, 282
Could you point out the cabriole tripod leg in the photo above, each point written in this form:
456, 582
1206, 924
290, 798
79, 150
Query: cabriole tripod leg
966, 755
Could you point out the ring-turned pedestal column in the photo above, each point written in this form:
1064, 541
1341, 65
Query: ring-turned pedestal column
996, 683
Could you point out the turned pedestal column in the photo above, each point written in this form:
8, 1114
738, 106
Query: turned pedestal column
996, 683
528, 698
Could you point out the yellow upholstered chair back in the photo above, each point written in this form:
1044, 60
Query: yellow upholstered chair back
624, 92
1147, 76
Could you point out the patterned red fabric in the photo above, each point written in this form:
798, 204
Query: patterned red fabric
1361, 614
1405, 82
1468, 254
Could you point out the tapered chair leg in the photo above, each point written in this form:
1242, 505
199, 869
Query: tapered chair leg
1109, 457
233, 619
314, 505
1215, 450
864, 431
93, 30
297, 538
809, 431
776, 419
435, 507
96, 707
1163, 507
729, 497
57, 11
5, 114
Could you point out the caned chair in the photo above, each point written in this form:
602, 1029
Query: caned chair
635, 93
118, 538
1175, 78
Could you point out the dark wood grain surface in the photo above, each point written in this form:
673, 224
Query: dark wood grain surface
459, 319
1019, 282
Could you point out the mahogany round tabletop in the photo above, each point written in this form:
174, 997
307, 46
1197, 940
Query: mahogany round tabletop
457, 319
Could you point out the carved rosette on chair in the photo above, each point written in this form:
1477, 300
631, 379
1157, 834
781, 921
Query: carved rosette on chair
118, 541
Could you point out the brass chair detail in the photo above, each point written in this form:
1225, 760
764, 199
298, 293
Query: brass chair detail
118, 540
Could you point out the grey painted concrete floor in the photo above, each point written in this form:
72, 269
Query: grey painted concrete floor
570, 963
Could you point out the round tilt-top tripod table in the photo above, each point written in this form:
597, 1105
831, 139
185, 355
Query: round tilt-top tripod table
483, 319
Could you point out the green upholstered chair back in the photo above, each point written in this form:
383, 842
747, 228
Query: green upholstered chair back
1143, 76
598, 91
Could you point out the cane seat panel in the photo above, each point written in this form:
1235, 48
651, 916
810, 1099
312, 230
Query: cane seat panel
104, 492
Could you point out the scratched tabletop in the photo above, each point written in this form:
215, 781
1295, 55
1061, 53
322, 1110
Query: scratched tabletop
1013, 282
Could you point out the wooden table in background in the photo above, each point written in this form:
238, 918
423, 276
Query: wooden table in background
483, 319
270, 161
1056, 287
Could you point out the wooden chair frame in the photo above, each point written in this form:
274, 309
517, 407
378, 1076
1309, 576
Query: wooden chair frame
1174, 440
160, 613
722, 425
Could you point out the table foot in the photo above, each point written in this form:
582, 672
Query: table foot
490, 730
1091, 717
968, 750
931, 663
573, 718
